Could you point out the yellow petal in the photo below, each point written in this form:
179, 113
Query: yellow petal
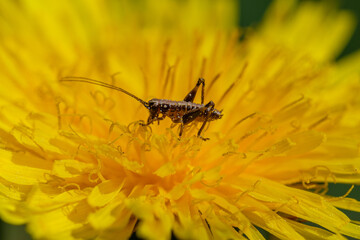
59, 223
346, 203
11, 213
103, 218
273, 223
44, 197
305, 142
315, 233
68, 168
23, 168
152, 215
326, 33
104, 192
165, 170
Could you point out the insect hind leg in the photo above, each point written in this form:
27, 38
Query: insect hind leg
191, 95
209, 109
192, 115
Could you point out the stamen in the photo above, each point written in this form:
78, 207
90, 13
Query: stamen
173, 75
212, 185
202, 69
164, 57
167, 77
212, 82
104, 102
53, 179
240, 121
264, 134
291, 104
290, 202
246, 192
113, 78
58, 115
82, 117
306, 181
70, 186
226, 93
315, 124
206, 224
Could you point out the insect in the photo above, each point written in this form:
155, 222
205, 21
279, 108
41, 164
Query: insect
183, 112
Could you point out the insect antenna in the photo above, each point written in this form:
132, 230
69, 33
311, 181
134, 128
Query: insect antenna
102, 84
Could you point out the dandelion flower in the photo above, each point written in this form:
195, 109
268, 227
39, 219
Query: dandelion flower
75, 162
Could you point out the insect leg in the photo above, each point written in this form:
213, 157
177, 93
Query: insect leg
201, 129
208, 111
149, 121
181, 130
152, 117
193, 114
191, 95
188, 118
160, 118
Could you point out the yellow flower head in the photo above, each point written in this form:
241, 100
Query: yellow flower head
76, 162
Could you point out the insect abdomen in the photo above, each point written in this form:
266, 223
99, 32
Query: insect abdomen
175, 110
171, 106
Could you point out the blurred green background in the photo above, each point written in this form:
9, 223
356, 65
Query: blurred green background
251, 13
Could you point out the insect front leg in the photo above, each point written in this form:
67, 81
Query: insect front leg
149, 121
191, 95
158, 119
152, 117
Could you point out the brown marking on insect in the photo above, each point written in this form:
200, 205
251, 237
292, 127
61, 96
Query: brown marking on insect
183, 112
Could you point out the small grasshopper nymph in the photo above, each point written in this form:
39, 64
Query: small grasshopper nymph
183, 112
